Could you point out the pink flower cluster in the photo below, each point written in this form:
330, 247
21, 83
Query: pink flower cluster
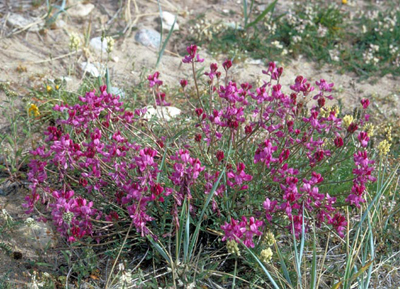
284, 148
244, 230
104, 165
291, 133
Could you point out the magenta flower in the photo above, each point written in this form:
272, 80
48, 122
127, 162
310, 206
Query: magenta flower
239, 177
363, 138
183, 83
213, 71
153, 79
227, 64
244, 231
192, 56
365, 103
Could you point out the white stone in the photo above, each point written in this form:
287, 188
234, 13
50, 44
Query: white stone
168, 20
97, 46
18, 21
80, 10
117, 91
148, 37
166, 112
254, 61
91, 68
39, 235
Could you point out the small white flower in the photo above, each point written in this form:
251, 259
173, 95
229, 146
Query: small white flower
374, 47
277, 44
296, 38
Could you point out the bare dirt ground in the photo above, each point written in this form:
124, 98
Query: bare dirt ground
43, 55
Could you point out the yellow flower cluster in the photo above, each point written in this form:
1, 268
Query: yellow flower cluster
326, 112
110, 44
33, 110
269, 239
384, 147
74, 42
369, 129
233, 247
388, 132
347, 120
266, 255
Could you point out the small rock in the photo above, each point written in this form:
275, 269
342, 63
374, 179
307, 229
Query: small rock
254, 61
38, 235
117, 91
8, 187
91, 68
148, 37
167, 112
18, 21
80, 10
233, 25
168, 20
97, 46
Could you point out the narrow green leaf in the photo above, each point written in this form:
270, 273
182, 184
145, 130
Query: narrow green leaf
210, 196
108, 81
283, 266
164, 45
261, 265
245, 12
263, 14
159, 249
314, 264
187, 234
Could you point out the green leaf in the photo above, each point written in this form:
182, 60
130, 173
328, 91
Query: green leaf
159, 249
261, 265
164, 45
263, 14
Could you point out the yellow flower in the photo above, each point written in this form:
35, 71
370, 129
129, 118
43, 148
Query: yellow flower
269, 239
74, 41
33, 109
369, 129
344, 1
233, 247
48, 88
110, 44
384, 148
266, 255
388, 132
347, 120
57, 87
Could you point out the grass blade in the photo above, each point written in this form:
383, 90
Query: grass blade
314, 264
159, 249
283, 266
269, 8
164, 45
210, 196
261, 265
245, 12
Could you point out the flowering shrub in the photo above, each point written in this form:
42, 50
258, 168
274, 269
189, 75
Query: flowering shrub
281, 154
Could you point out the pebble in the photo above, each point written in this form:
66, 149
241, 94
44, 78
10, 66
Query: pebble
148, 37
254, 61
80, 10
38, 235
19, 21
91, 68
97, 46
167, 112
7, 187
168, 20
117, 91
